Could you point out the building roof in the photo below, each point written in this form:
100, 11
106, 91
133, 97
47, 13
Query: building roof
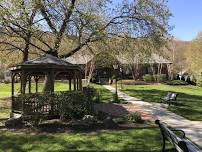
83, 59
154, 58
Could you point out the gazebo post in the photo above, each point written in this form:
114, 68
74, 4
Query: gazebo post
23, 82
12, 93
30, 84
74, 80
70, 84
36, 83
12, 87
77, 83
80, 82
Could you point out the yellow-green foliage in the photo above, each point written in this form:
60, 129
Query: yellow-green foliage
193, 55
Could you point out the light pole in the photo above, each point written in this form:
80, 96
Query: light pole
116, 66
121, 77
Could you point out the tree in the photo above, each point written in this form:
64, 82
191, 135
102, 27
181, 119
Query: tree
85, 22
193, 54
91, 21
18, 22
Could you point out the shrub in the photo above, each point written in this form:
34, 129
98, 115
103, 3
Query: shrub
6, 81
130, 118
65, 104
177, 82
132, 82
199, 82
160, 77
148, 78
1, 75
91, 94
74, 105
134, 117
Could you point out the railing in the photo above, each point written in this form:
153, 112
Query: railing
17, 104
50, 104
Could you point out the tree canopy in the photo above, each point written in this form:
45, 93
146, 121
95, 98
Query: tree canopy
65, 27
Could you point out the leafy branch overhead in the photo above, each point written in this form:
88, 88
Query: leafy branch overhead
65, 27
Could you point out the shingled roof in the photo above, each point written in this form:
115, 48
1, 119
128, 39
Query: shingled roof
154, 58
47, 59
45, 62
83, 59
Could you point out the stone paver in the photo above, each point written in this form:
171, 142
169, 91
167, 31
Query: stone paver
117, 110
193, 129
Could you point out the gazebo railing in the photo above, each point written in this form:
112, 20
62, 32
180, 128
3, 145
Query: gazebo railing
17, 104
33, 106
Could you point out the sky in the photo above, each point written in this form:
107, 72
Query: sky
187, 18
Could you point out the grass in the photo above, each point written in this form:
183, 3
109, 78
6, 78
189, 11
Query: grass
139, 140
106, 95
4, 109
5, 89
189, 98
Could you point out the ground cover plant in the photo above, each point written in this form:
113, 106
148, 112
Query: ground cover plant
189, 98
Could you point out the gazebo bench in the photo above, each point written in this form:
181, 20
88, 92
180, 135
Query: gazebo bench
180, 143
170, 98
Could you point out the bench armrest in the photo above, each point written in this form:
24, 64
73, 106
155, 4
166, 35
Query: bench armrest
178, 130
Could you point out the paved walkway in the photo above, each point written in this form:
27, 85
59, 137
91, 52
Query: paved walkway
193, 129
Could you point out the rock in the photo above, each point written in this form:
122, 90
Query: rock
89, 119
14, 123
109, 123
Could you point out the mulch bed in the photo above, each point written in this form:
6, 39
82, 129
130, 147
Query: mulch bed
57, 126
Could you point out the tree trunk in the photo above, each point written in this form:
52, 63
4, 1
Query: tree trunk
49, 82
92, 67
26, 52
132, 71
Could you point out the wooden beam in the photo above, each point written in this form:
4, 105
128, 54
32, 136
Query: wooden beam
70, 84
30, 90
74, 80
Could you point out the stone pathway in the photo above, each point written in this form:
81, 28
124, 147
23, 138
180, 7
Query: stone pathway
118, 110
193, 129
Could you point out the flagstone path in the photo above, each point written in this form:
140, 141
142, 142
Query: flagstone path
193, 129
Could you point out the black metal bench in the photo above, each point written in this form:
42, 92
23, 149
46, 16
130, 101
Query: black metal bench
170, 98
179, 142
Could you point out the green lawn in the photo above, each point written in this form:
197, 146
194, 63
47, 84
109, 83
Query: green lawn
189, 99
106, 95
4, 109
5, 89
139, 140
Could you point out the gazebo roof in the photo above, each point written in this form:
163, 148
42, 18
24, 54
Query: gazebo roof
47, 59
44, 62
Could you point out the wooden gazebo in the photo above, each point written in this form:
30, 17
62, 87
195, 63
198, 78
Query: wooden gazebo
48, 68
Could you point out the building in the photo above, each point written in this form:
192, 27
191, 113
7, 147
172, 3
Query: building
101, 66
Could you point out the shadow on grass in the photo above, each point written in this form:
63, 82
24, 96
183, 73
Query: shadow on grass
187, 106
143, 140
